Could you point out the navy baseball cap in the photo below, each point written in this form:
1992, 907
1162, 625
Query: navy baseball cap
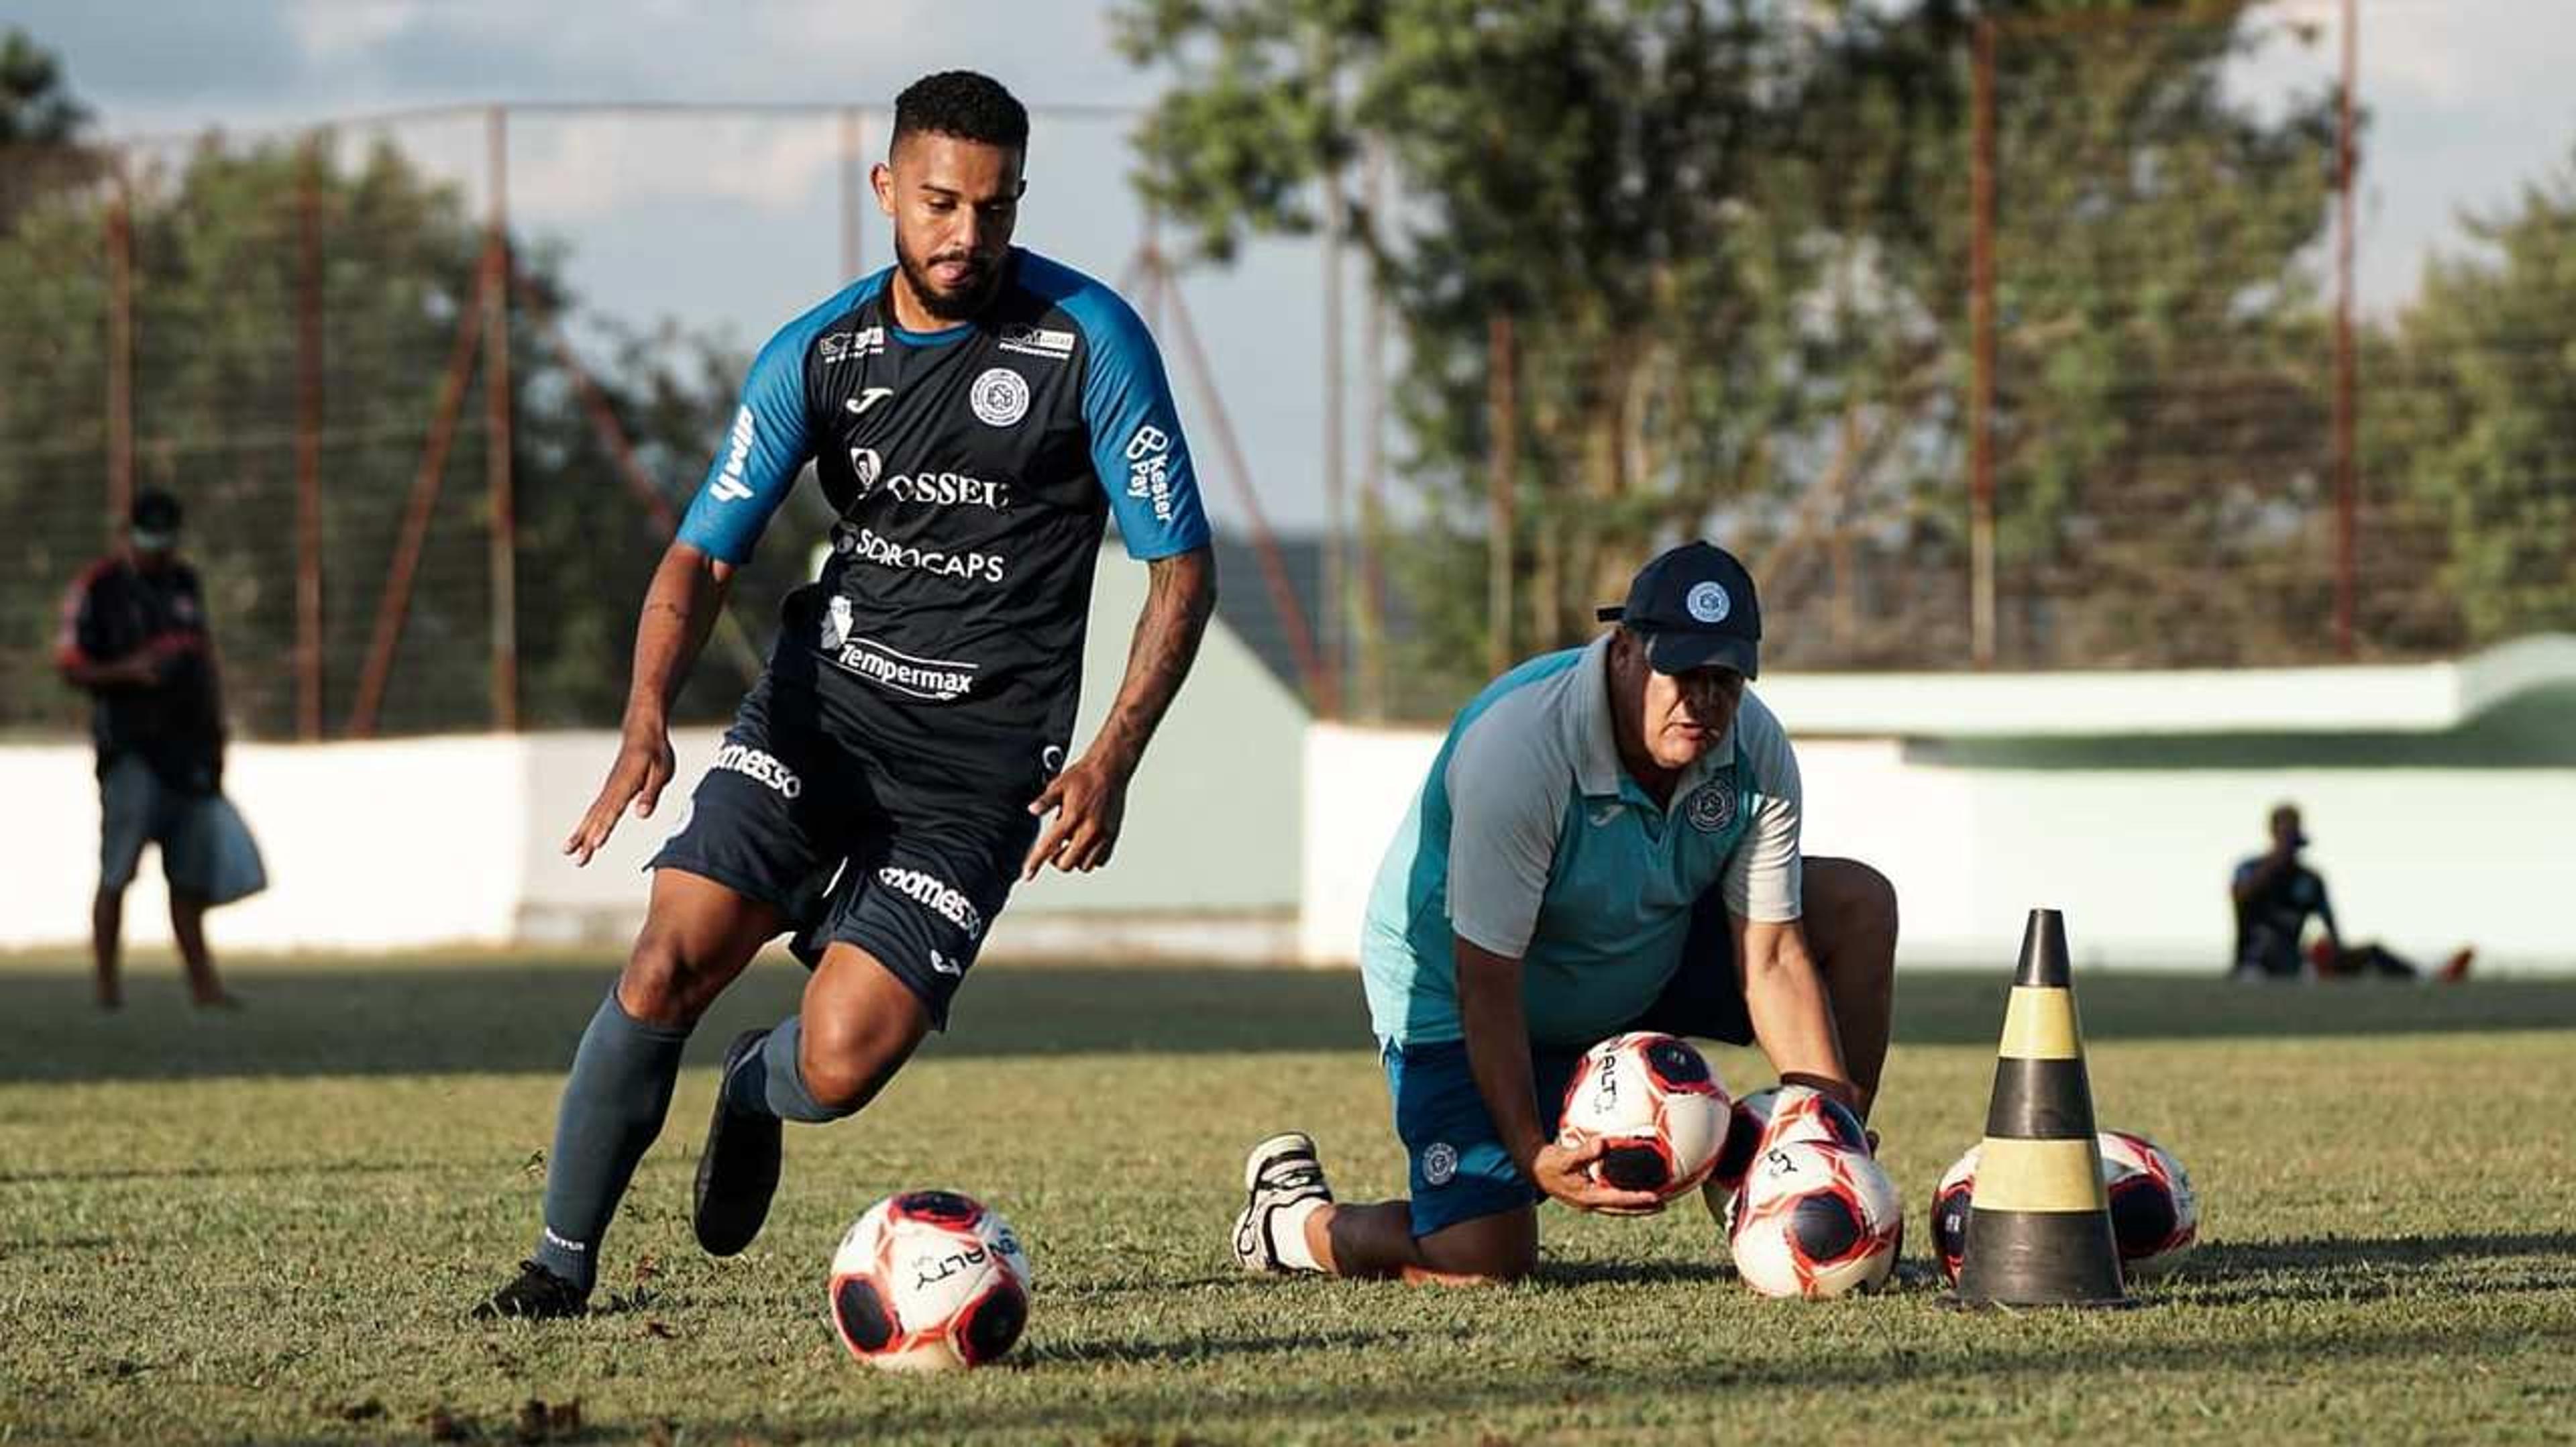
1695, 605
155, 520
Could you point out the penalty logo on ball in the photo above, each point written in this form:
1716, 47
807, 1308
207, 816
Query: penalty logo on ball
929, 1281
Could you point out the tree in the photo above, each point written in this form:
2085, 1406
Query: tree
216, 292
1734, 237
1595, 172
2163, 428
36, 103
2472, 430
41, 123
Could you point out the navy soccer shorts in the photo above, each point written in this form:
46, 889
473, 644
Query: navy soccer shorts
1456, 1166
904, 853
1705, 997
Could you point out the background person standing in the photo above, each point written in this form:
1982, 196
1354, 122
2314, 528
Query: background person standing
134, 635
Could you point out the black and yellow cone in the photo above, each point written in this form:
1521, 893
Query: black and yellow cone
2039, 1223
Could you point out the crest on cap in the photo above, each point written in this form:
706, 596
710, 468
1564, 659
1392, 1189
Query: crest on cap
1708, 602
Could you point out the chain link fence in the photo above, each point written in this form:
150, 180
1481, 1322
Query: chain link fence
2115, 405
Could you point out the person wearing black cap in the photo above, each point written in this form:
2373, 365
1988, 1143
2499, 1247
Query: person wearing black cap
1608, 841
134, 636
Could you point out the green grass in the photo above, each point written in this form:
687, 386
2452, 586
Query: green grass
265, 1227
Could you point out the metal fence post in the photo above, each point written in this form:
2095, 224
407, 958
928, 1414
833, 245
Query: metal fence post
1981, 326
496, 440
308, 443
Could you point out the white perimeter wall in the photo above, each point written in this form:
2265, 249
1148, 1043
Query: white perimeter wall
368, 845
2421, 859
1239, 820
416, 842
458, 841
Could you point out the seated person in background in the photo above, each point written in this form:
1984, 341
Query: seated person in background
2275, 893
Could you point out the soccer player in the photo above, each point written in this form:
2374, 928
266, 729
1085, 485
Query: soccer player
974, 414
134, 636
1608, 841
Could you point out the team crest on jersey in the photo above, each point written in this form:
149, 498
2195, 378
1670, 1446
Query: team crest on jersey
1711, 806
1439, 1163
1000, 397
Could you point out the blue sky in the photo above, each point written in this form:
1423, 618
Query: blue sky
734, 223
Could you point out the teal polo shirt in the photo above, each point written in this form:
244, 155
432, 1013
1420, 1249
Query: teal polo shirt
1530, 839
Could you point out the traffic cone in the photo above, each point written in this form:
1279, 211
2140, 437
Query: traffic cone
2039, 1223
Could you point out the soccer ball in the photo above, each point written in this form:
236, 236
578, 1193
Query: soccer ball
1804, 1113
1950, 1213
2153, 1211
929, 1281
1656, 1102
1815, 1220
2155, 1218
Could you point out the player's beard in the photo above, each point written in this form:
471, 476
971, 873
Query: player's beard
961, 304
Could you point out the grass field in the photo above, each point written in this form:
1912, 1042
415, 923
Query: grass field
267, 1227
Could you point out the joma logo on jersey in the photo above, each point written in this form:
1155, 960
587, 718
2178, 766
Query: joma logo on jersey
760, 767
935, 895
1149, 470
730, 486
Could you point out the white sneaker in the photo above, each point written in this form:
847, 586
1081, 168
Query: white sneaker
1281, 1171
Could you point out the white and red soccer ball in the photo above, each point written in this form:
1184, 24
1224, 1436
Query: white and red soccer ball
929, 1281
1950, 1200
1807, 1114
2154, 1213
2155, 1217
1815, 1218
1659, 1106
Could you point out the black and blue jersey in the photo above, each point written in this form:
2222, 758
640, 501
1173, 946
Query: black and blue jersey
973, 470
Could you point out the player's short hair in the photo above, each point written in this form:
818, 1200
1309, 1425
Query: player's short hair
962, 103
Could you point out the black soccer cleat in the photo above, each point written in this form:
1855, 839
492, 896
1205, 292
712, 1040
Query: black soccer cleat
738, 1169
538, 1295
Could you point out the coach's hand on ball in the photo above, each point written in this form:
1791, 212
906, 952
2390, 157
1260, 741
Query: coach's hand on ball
1564, 1172
1089, 800
644, 765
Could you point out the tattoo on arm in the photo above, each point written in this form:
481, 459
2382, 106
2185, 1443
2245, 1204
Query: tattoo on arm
1179, 599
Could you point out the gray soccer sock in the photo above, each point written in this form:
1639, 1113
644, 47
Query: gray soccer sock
613, 1104
768, 1082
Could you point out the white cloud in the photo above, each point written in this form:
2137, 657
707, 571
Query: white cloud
580, 168
333, 30
2476, 53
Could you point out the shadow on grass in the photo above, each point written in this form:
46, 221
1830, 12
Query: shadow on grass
2013, 1356
194, 1172
1188, 1350
1573, 1274
2346, 1268
414, 1017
